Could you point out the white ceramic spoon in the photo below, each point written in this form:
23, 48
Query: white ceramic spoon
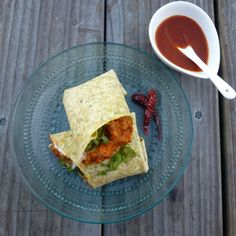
226, 90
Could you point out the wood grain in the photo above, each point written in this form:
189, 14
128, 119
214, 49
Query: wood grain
30, 32
194, 206
226, 15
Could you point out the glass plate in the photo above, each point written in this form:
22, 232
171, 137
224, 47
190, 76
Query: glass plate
39, 111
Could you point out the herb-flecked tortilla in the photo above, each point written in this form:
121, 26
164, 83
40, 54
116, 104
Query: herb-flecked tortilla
90, 106
138, 164
93, 104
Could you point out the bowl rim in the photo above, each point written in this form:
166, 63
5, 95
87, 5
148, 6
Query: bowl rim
168, 62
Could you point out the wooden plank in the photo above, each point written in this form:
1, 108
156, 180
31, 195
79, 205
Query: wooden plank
227, 31
30, 32
194, 206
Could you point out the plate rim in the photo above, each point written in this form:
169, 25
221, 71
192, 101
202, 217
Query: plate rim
141, 212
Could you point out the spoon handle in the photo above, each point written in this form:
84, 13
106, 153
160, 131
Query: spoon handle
225, 89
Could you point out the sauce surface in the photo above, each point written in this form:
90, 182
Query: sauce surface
181, 31
119, 133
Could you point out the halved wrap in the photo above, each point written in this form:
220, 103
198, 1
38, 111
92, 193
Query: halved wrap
99, 118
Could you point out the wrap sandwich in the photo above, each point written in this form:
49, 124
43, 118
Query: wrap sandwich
103, 142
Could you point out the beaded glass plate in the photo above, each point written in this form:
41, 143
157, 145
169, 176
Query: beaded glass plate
39, 111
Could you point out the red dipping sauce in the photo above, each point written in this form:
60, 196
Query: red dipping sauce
181, 31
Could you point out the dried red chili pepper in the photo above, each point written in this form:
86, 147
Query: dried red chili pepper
140, 99
150, 109
149, 103
152, 96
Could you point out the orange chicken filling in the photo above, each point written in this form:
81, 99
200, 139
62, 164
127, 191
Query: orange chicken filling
119, 133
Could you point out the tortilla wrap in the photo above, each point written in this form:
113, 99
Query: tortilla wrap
139, 164
89, 106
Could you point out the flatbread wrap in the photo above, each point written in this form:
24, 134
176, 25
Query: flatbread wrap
103, 141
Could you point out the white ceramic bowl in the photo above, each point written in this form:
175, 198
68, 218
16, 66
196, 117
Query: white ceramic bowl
204, 21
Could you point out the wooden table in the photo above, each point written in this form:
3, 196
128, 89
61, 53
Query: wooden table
204, 202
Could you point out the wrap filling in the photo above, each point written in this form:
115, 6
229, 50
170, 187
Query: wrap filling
109, 140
